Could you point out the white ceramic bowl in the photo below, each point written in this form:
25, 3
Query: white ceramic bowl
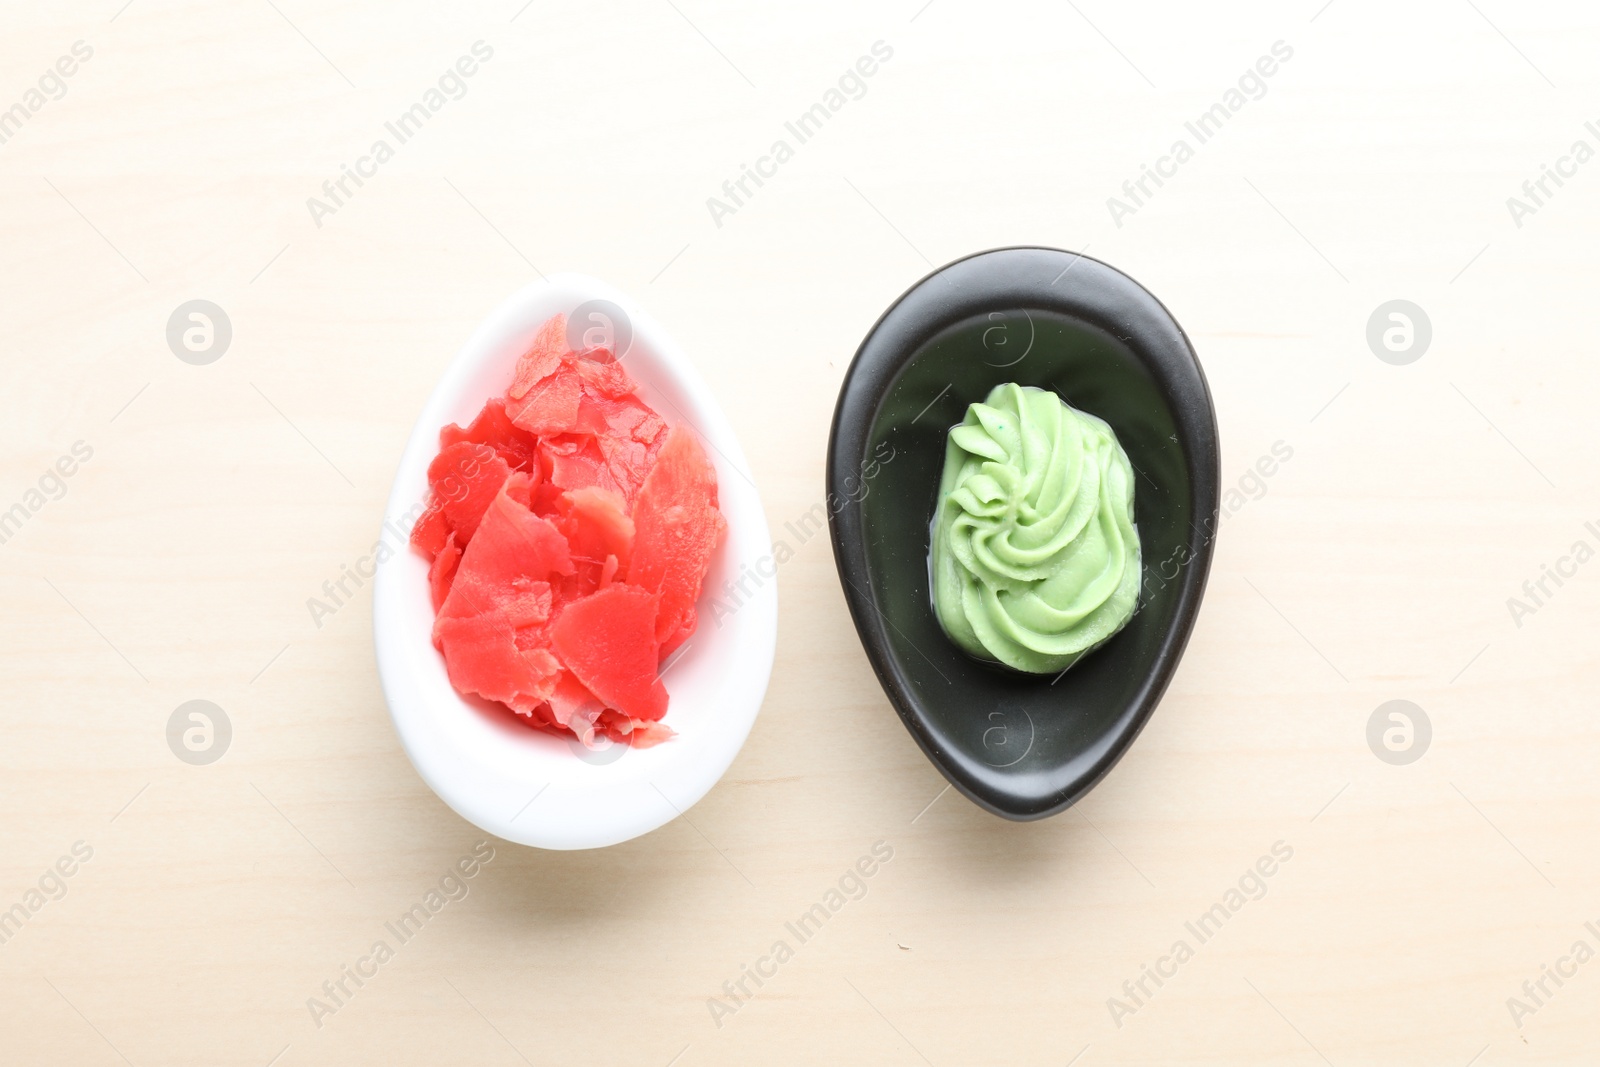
522, 784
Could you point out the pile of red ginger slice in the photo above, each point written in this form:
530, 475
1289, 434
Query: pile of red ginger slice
569, 529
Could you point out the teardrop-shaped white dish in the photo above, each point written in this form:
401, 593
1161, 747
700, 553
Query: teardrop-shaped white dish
522, 784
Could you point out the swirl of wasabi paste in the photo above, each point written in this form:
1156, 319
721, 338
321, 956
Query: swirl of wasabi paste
1035, 556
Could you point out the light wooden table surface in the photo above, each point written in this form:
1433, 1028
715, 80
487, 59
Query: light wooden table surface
1376, 564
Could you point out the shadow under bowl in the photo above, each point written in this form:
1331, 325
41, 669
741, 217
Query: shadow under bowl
1022, 746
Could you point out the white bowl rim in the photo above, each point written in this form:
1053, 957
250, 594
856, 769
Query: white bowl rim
522, 784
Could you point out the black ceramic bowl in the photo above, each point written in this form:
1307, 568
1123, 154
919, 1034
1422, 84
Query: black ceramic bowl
1022, 746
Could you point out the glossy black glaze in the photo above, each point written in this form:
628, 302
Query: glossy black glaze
1022, 746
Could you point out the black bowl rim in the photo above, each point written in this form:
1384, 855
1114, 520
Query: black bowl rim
1204, 471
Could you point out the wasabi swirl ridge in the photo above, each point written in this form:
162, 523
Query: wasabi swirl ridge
1035, 553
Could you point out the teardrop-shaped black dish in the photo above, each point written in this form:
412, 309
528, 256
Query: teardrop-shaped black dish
1022, 746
